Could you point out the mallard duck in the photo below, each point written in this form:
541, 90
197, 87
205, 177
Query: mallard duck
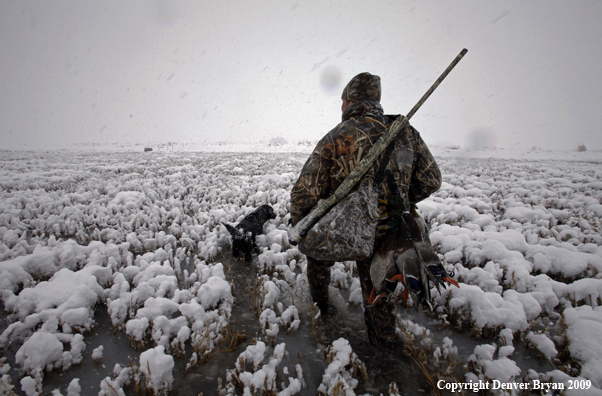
407, 256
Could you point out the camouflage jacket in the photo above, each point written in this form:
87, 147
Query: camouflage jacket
413, 167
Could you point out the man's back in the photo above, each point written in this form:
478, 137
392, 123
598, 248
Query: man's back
412, 165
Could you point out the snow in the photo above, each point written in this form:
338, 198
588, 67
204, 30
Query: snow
139, 235
74, 388
583, 336
213, 291
109, 386
97, 353
543, 343
343, 362
136, 328
157, 368
29, 386
355, 294
264, 375
445, 351
41, 350
484, 310
484, 366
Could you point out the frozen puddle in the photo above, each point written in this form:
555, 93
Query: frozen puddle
115, 274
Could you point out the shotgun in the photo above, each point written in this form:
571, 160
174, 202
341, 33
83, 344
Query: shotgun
298, 232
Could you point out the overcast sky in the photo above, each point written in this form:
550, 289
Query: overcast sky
208, 71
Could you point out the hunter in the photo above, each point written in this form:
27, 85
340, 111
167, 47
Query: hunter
412, 175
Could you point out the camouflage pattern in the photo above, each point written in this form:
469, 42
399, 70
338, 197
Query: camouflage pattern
382, 148
318, 277
346, 231
413, 169
364, 86
336, 155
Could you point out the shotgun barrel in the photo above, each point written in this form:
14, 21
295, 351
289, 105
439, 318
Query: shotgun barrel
298, 232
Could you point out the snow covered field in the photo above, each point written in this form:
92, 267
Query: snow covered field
116, 278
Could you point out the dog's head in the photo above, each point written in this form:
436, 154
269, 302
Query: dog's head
267, 212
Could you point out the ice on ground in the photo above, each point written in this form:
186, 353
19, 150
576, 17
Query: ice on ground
140, 236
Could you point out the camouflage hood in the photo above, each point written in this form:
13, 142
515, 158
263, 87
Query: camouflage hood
364, 86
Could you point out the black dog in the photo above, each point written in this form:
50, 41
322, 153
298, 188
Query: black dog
243, 234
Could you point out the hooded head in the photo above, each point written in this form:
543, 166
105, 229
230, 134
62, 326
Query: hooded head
364, 86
